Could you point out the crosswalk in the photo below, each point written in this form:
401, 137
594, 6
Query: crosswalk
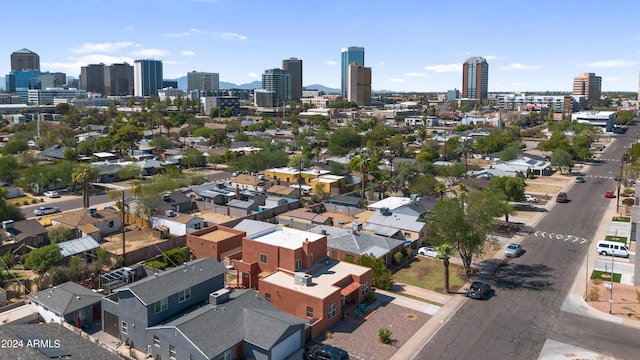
561, 237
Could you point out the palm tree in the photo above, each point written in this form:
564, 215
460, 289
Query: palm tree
359, 163
465, 148
84, 174
440, 187
444, 252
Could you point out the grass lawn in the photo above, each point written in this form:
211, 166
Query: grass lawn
21, 201
428, 273
620, 239
605, 276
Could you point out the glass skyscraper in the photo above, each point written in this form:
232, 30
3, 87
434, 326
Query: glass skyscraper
475, 78
147, 77
278, 81
352, 54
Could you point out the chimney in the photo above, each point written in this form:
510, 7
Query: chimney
7, 224
237, 192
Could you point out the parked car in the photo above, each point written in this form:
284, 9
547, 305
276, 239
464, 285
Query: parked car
609, 195
479, 290
46, 210
579, 179
562, 197
612, 248
530, 198
51, 194
325, 352
513, 250
430, 251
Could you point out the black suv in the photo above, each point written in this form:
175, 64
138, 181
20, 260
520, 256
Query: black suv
479, 290
325, 352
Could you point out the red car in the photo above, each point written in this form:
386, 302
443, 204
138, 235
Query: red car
562, 197
609, 195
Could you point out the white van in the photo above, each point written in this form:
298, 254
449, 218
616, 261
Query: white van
609, 248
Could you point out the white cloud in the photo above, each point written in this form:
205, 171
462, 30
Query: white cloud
232, 36
151, 52
107, 47
444, 68
612, 79
177, 35
197, 30
493, 57
397, 80
188, 53
611, 63
75, 63
170, 62
331, 62
518, 66
252, 75
415, 74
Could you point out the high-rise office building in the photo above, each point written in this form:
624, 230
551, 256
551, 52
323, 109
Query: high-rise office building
359, 84
475, 78
205, 82
294, 67
25, 59
147, 77
92, 78
118, 79
352, 54
588, 85
278, 81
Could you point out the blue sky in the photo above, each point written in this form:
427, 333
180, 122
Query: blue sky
410, 45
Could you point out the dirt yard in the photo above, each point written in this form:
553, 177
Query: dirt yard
626, 299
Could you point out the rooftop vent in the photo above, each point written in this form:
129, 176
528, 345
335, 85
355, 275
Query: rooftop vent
385, 211
170, 213
92, 211
219, 297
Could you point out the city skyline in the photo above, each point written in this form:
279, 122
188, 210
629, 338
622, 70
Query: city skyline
411, 46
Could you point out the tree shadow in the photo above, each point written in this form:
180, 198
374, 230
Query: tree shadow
520, 276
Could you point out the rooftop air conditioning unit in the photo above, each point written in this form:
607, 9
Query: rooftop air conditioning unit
303, 279
170, 213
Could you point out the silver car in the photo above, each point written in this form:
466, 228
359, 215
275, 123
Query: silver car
46, 210
513, 250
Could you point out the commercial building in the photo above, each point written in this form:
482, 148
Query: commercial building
278, 81
588, 85
263, 98
92, 78
605, 119
25, 59
352, 54
118, 80
207, 83
475, 78
147, 77
359, 84
294, 67
517, 102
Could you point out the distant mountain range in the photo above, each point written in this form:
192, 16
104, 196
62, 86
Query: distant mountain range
182, 85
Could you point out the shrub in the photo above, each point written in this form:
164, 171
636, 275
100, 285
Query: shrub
156, 264
594, 294
384, 335
398, 258
34, 201
328, 334
26, 202
530, 176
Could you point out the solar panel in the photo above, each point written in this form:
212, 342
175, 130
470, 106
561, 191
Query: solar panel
49, 347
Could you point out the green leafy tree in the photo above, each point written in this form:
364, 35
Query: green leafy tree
359, 163
344, 140
561, 158
510, 152
557, 141
336, 168
299, 161
9, 168
126, 138
85, 174
160, 143
15, 146
43, 258
8, 211
192, 158
104, 143
423, 185
130, 171
177, 256
60, 234
494, 142
382, 277
508, 188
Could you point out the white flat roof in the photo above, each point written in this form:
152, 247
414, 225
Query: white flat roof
323, 280
392, 202
285, 237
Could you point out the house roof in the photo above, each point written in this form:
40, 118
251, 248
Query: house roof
76, 218
165, 283
397, 221
241, 204
77, 347
345, 199
23, 229
108, 168
282, 190
362, 243
419, 207
77, 246
66, 298
251, 227
55, 152
247, 180
391, 202
302, 213
245, 317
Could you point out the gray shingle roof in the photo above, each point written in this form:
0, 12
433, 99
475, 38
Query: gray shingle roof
155, 288
56, 152
66, 298
245, 316
362, 243
397, 221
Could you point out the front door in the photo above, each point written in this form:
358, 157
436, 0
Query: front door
111, 324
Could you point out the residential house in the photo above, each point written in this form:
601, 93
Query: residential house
351, 244
252, 227
150, 167
250, 327
104, 156
55, 152
131, 310
102, 129
215, 241
93, 222
525, 165
177, 224
284, 191
108, 173
242, 208
303, 219
15, 235
151, 134
391, 203
345, 201
71, 345
250, 182
176, 201
328, 183
12, 191
290, 268
384, 222
419, 206
68, 302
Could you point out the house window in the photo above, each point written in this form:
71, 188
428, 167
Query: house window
267, 297
309, 311
407, 235
172, 352
365, 289
156, 341
184, 295
332, 311
111, 223
227, 355
263, 258
124, 327
161, 305
298, 264
197, 225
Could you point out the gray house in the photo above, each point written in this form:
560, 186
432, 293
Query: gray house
130, 310
69, 302
234, 325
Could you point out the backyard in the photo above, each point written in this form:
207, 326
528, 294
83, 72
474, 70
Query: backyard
428, 273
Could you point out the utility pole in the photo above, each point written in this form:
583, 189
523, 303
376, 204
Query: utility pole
124, 251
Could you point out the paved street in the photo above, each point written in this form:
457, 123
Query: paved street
525, 312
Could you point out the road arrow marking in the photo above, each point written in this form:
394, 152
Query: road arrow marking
536, 233
560, 237
576, 239
583, 241
543, 234
551, 235
567, 239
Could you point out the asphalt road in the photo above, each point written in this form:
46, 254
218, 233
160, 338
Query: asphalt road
67, 202
529, 291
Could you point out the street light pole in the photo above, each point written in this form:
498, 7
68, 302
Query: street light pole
611, 287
